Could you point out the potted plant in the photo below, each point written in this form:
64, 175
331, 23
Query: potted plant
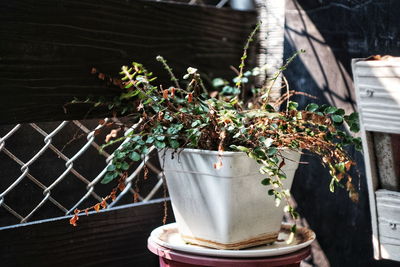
219, 147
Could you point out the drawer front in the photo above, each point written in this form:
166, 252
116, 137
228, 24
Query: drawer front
378, 89
388, 208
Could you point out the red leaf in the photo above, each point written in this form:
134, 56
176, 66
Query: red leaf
103, 204
165, 94
121, 186
73, 220
97, 207
135, 197
113, 195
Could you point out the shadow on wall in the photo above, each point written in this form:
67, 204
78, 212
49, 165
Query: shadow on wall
332, 34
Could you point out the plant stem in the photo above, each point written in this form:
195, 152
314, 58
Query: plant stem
169, 70
244, 56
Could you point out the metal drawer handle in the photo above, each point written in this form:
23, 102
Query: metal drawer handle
370, 92
393, 226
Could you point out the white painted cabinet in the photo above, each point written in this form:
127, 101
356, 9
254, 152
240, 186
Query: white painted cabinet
377, 85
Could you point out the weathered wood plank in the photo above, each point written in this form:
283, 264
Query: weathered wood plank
48, 48
387, 153
111, 238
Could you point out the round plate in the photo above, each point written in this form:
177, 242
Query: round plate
169, 237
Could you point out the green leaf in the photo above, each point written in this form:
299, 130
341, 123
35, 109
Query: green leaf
150, 140
358, 144
111, 168
253, 155
272, 151
337, 118
340, 133
240, 148
247, 73
217, 82
266, 169
156, 108
145, 151
119, 155
312, 107
269, 108
260, 153
174, 129
159, 144
322, 108
148, 101
330, 110
160, 138
282, 176
274, 160
266, 181
341, 167
125, 166
173, 143
135, 156
195, 123
340, 112
130, 94
355, 128
293, 105
109, 177
268, 142
332, 185
271, 192
354, 116
322, 127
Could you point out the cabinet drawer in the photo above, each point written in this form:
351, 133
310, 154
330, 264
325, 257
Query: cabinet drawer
388, 208
378, 86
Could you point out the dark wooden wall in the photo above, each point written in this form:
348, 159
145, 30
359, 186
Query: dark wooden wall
108, 238
48, 48
334, 32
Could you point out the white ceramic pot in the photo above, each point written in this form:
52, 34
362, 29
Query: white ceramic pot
227, 208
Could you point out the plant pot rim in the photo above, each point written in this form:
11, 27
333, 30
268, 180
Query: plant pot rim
216, 153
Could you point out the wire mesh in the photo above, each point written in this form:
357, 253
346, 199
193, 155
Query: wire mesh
76, 197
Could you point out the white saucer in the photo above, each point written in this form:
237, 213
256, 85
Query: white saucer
168, 237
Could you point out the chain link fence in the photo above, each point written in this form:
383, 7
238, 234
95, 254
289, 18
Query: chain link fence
57, 171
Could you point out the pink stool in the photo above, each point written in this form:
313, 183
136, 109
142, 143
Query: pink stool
171, 258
